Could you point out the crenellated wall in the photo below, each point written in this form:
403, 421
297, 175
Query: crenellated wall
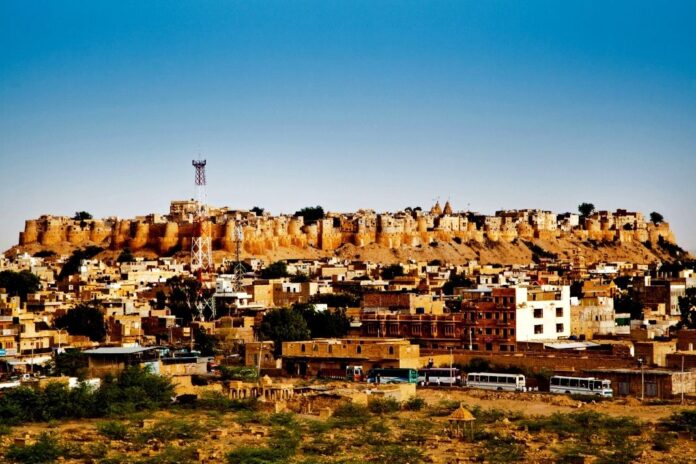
265, 233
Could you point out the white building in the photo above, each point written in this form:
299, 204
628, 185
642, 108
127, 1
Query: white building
543, 313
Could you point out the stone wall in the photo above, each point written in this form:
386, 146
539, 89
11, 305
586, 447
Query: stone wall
265, 233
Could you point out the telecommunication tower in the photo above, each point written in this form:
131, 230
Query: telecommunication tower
201, 244
238, 269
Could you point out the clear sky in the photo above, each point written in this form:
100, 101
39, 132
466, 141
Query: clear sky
352, 104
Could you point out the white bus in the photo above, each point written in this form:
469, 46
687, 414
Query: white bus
581, 386
494, 381
439, 376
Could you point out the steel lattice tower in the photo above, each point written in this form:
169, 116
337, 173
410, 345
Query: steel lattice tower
201, 244
238, 270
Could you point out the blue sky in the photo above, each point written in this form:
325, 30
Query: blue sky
362, 104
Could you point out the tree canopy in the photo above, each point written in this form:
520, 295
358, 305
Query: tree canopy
19, 283
275, 270
82, 216
392, 271
324, 324
83, 320
628, 304
184, 293
586, 209
72, 265
656, 218
456, 280
257, 210
126, 256
311, 214
283, 325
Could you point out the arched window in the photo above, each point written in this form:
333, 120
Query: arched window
302, 348
358, 349
391, 350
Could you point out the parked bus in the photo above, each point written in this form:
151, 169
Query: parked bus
439, 376
494, 381
392, 375
351, 373
581, 386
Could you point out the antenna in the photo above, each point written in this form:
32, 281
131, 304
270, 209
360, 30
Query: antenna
201, 244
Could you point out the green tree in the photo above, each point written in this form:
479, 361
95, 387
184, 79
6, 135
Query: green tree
392, 271
656, 218
586, 209
311, 214
83, 320
257, 210
324, 324
126, 256
283, 325
275, 270
19, 283
628, 304
183, 296
71, 362
72, 265
82, 216
456, 280
204, 342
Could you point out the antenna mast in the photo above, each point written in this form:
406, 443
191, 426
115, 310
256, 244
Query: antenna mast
201, 244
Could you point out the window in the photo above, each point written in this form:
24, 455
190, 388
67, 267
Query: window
489, 315
559, 312
489, 331
391, 350
538, 329
503, 347
302, 348
538, 313
358, 349
559, 328
449, 330
512, 332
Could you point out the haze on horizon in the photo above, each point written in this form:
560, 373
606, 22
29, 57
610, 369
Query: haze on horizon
381, 105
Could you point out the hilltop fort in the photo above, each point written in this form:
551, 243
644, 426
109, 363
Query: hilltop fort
362, 230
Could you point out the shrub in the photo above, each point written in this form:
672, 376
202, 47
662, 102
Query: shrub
46, 449
663, 441
383, 405
682, 421
113, 430
414, 404
172, 429
503, 449
443, 408
350, 415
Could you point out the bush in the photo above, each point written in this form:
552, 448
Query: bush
682, 421
113, 430
171, 429
414, 404
443, 408
216, 401
383, 406
663, 441
350, 415
503, 449
46, 449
